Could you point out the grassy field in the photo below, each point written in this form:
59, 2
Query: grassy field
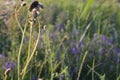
66, 40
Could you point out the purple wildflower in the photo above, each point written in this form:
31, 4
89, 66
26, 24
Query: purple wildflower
42, 31
33, 78
116, 52
74, 71
8, 65
103, 38
75, 50
110, 41
13, 65
62, 77
82, 45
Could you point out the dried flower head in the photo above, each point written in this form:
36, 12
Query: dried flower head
35, 9
35, 4
23, 3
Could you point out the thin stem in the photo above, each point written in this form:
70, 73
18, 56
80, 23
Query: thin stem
32, 54
16, 18
80, 69
83, 35
18, 22
93, 66
29, 51
20, 49
29, 47
5, 78
51, 78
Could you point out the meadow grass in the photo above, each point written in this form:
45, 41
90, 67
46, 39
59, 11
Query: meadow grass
68, 40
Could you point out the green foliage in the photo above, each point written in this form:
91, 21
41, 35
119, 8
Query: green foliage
69, 40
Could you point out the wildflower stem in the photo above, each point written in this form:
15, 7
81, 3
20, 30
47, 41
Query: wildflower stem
29, 47
29, 51
80, 69
23, 35
51, 69
5, 78
16, 18
93, 69
83, 35
32, 54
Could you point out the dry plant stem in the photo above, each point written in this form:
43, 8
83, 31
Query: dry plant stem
82, 65
18, 22
20, 49
16, 18
31, 56
29, 47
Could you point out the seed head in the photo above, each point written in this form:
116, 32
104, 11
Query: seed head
35, 9
23, 3
35, 4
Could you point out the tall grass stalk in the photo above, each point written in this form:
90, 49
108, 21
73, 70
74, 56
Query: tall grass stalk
80, 69
84, 55
118, 78
86, 8
93, 66
83, 35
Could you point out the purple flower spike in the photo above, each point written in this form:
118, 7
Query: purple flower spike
103, 38
13, 65
7, 65
10, 65
75, 50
